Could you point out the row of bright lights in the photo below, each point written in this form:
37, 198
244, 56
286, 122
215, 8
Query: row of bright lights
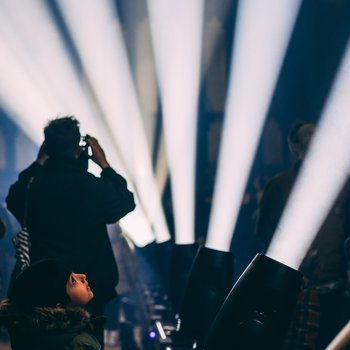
49, 86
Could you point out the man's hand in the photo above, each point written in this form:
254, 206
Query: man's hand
98, 154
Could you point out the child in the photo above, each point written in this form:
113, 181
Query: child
44, 309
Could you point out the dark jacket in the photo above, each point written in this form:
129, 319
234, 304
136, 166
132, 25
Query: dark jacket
67, 216
45, 328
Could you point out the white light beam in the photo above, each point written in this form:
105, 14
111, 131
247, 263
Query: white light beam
104, 58
262, 34
176, 28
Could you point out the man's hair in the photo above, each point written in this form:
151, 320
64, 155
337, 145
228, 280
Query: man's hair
62, 136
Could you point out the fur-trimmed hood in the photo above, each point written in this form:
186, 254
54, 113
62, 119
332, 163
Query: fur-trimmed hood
43, 318
47, 328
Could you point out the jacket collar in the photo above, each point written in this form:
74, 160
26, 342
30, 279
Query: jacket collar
64, 164
43, 318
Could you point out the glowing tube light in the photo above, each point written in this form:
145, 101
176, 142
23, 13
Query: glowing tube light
104, 58
262, 33
324, 172
176, 28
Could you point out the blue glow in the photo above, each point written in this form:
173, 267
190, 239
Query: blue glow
152, 334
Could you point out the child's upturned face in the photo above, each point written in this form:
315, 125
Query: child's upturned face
78, 289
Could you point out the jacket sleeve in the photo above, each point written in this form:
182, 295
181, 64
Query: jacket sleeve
118, 200
17, 192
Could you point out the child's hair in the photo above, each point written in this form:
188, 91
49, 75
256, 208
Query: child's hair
41, 284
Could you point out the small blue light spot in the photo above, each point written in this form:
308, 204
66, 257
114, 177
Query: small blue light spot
152, 334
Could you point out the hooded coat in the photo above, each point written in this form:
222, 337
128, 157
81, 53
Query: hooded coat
48, 328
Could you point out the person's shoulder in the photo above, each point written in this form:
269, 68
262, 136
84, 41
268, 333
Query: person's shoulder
85, 340
281, 183
281, 177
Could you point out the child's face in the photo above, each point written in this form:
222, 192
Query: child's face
78, 289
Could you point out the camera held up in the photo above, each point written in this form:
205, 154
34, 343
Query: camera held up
86, 152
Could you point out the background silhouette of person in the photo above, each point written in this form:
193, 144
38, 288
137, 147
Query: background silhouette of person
324, 266
69, 208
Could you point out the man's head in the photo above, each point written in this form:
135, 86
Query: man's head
299, 138
62, 137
